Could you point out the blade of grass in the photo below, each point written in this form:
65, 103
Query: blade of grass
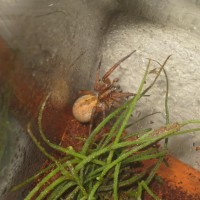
158, 74
101, 125
166, 103
44, 180
134, 158
90, 158
67, 151
51, 168
145, 157
32, 178
166, 100
190, 122
72, 194
60, 190
71, 172
42, 149
40, 184
115, 183
166, 97
148, 141
129, 112
149, 191
118, 160
135, 134
113, 129
153, 172
124, 183
187, 131
50, 187
142, 118
144, 184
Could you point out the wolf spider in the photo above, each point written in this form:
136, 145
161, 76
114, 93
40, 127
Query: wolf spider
106, 94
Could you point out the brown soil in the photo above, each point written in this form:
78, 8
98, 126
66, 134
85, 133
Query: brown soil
166, 192
180, 181
177, 177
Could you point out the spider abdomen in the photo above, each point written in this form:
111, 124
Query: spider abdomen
83, 107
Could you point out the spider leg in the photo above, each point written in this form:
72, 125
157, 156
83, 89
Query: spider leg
97, 79
105, 88
92, 119
103, 107
107, 104
107, 74
121, 94
116, 98
113, 102
125, 94
85, 92
104, 114
115, 80
103, 95
109, 83
116, 103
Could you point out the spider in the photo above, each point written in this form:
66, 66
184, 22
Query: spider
106, 94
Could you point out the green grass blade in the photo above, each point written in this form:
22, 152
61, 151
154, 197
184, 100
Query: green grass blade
158, 74
149, 191
153, 172
124, 123
115, 183
50, 187
59, 190
101, 125
131, 181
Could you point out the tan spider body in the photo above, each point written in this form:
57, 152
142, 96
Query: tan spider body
106, 94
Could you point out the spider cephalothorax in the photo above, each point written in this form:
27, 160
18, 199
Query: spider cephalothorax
106, 94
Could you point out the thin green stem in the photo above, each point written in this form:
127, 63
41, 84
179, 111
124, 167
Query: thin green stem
113, 129
116, 161
125, 183
50, 187
42, 149
40, 184
32, 178
101, 125
166, 103
132, 105
158, 74
145, 142
60, 166
142, 118
115, 184
166, 97
145, 157
60, 190
136, 134
153, 172
129, 112
149, 191
190, 122
67, 151
72, 194
187, 131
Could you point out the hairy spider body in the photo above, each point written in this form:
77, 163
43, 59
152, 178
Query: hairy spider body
83, 107
106, 94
